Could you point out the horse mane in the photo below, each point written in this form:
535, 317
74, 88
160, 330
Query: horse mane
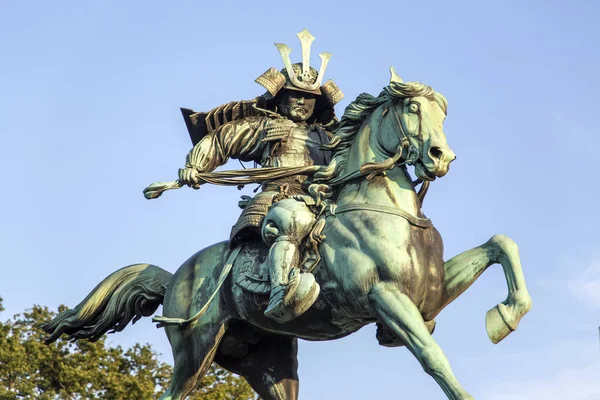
357, 112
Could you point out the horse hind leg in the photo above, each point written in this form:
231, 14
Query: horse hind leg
462, 270
270, 365
402, 317
194, 348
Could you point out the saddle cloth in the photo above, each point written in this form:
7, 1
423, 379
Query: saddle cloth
250, 269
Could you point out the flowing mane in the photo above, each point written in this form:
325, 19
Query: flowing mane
358, 111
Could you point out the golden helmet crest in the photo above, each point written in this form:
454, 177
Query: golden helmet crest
300, 76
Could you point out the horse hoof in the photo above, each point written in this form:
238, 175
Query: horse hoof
495, 324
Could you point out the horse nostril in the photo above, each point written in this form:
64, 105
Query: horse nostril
435, 153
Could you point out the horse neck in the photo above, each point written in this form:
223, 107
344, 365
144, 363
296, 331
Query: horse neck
395, 187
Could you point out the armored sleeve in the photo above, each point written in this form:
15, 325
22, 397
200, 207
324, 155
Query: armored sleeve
240, 139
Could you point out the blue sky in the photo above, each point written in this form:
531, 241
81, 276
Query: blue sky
89, 115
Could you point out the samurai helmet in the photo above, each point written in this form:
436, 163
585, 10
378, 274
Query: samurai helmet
300, 76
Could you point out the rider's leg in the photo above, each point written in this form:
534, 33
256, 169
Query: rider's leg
462, 270
400, 315
292, 292
283, 256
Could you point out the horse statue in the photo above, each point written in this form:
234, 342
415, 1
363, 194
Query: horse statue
381, 262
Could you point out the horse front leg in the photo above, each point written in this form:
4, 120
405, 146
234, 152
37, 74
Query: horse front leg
401, 316
462, 270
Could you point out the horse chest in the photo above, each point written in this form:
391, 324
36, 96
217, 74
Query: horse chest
426, 268
378, 248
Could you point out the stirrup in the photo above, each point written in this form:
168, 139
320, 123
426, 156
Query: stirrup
298, 295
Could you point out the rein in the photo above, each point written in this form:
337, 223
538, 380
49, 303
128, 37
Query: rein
376, 168
373, 169
370, 170
234, 177
416, 221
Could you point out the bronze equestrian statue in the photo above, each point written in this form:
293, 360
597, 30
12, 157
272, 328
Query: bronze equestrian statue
336, 239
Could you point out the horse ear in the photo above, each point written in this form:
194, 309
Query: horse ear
394, 76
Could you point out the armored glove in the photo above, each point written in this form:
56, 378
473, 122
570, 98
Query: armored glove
189, 176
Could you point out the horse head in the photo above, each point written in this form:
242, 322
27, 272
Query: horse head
418, 114
403, 125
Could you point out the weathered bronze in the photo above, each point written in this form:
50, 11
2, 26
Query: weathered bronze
328, 246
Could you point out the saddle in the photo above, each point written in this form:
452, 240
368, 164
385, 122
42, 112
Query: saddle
250, 269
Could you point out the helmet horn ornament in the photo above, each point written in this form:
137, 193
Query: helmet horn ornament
303, 80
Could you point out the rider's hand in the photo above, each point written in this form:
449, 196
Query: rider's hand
278, 128
189, 176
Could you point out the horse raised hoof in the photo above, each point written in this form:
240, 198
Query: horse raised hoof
495, 324
503, 319
301, 293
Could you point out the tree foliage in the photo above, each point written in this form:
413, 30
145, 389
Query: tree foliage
30, 369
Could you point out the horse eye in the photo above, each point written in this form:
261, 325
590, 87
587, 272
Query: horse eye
413, 108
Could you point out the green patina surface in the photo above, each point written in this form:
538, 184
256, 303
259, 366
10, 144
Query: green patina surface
341, 243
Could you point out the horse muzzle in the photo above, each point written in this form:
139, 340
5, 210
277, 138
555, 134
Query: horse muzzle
436, 161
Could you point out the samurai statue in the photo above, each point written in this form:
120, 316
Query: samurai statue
285, 127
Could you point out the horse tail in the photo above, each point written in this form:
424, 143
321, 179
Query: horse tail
130, 293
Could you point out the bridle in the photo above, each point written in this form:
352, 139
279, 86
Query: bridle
412, 154
371, 170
